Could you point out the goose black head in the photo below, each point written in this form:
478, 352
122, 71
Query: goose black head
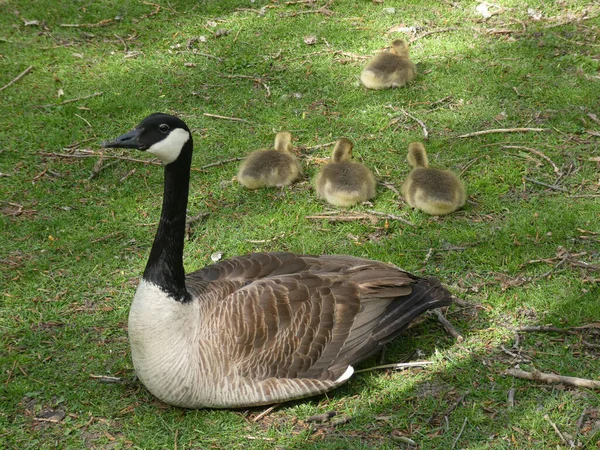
160, 134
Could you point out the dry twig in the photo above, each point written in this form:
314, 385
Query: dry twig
255, 79
397, 366
420, 122
265, 412
235, 119
219, 163
551, 378
427, 33
17, 78
511, 398
106, 379
460, 433
448, 326
501, 130
536, 152
550, 186
95, 94
560, 435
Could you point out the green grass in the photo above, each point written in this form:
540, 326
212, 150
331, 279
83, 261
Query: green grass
73, 248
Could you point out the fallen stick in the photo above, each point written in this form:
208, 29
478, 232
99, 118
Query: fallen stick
536, 152
95, 94
391, 216
397, 366
427, 33
560, 435
551, 378
219, 163
106, 379
534, 328
420, 122
460, 433
235, 119
550, 186
265, 412
17, 78
501, 130
448, 326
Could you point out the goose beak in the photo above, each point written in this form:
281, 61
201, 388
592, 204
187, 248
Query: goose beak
130, 139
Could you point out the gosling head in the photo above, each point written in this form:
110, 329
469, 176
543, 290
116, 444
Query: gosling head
283, 141
400, 48
417, 156
160, 134
342, 150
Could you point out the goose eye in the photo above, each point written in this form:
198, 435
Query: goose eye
163, 127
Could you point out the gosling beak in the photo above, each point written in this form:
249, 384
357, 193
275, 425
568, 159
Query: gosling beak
130, 139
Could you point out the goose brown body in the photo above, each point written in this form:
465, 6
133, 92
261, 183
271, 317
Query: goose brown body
271, 327
389, 69
269, 168
256, 329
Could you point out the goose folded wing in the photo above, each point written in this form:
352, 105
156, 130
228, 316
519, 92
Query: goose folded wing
291, 326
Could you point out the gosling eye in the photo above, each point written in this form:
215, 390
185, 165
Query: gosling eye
163, 128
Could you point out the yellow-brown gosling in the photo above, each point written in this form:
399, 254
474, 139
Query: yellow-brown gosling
343, 182
434, 191
267, 168
389, 69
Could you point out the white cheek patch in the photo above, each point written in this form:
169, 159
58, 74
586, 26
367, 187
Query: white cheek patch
169, 148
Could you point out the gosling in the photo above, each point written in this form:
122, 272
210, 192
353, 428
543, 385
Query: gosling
343, 182
268, 168
433, 191
389, 69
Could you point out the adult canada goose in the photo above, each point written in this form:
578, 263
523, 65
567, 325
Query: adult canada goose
434, 191
256, 329
389, 69
343, 182
275, 167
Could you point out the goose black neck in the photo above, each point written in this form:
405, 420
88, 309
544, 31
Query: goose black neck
165, 264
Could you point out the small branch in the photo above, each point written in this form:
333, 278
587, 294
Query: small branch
594, 118
391, 187
102, 23
551, 186
324, 417
235, 119
219, 163
397, 366
17, 78
460, 433
264, 241
511, 398
335, 216
589, 326
551, 378
427, 33
265, 412
536, 152
501, 130
106, 379
96, 155
104, 238
391, 216
95, 94
448, 326
315, 147
420, 122
255, 79
99, 167
560, 435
